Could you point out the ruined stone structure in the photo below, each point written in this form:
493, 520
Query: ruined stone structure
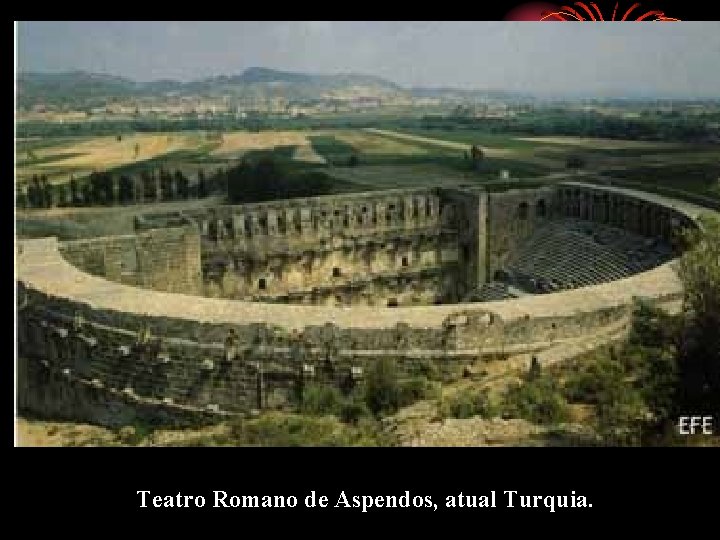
219, 311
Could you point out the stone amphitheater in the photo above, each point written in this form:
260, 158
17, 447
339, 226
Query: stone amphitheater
215, 312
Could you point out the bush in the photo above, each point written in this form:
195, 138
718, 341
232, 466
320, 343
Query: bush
382, 393
321, 399
278, 429
620, 419
594, 381
353, 410
468, 403
427, 369
539, 401
413, 390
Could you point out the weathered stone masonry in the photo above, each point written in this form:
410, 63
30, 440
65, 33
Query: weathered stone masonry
98, 347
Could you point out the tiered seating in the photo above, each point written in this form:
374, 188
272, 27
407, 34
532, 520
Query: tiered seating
568, 254
493, 290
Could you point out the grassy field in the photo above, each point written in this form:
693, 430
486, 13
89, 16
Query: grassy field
381, 159
688, 167
61, 157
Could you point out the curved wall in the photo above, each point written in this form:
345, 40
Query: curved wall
184, 356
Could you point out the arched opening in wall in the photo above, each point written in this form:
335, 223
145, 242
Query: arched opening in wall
392, 302
465, 252
262, 284
404, 261
540, 208
338, 300
336, 272
523, 210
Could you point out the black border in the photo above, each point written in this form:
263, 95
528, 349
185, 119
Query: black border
74, 489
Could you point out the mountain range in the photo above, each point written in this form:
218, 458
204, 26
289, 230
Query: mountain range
80, 87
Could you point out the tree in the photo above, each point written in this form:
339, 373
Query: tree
181, 185
87, 195
125, 189
101, 188
476, 155
166, 182
699, 358
74, 192
575, 162
21, 199
35, 195
61, 192
353, 161
47, 192
202, 189
381, 387
534, 371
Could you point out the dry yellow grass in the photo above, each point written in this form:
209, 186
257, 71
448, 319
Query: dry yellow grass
102, 153
234, 145
109, 152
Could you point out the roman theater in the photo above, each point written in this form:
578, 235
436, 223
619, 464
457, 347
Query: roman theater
220, 311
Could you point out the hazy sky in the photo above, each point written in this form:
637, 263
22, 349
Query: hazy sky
668, 58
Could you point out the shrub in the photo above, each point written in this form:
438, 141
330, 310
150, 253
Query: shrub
412, 390
278, 429
321, 399
427, 369
381, 387
595, 380
468, 403
539, 401
352, 410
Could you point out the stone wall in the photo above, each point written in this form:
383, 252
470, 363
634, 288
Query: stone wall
175, 362
85, 341
466, 211
379, 248
512, 217
163, 259
637, 214
389, 248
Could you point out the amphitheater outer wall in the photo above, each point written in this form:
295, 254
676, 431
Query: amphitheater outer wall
108, 352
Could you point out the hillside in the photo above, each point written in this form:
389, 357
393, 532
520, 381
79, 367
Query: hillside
91, 89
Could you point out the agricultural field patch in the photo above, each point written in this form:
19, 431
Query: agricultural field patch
104, 153
236, 144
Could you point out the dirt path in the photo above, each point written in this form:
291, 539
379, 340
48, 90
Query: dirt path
490, 152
